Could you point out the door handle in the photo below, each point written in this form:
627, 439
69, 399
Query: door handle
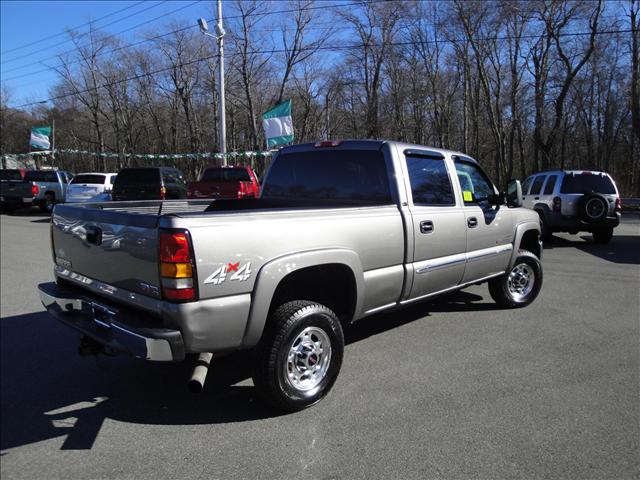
536, 198
472, 222
93, 235
426, 226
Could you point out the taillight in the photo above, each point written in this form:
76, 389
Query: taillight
328, 143
618, 205
177, 266
163, 193
557, 204
241, 190
34, 190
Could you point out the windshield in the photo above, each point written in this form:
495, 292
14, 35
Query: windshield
10, 175
586, 183
225, 175
329, 174
138, 176
41, 176
93, 179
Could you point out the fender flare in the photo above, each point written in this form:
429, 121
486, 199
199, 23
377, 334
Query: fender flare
521, 229
273, 272
542, 207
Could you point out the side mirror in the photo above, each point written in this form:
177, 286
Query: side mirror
513, 195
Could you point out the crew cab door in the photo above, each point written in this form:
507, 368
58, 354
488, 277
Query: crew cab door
439, 231
489, 228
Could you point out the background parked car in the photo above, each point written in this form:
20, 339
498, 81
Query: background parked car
52, 187
574, 201
14, 191
91, 187
225, 182
152, 183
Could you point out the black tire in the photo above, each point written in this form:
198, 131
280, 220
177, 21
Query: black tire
503, 289
593, 208
273, 371
603, 235
49, 202
545, 231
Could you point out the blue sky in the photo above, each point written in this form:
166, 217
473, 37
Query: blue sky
44, 24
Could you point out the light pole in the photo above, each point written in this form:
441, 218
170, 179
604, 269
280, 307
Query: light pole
219, 36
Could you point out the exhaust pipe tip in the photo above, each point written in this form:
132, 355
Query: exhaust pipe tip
196, 383
195, 386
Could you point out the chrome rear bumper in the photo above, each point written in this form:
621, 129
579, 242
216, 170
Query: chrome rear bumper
118, 328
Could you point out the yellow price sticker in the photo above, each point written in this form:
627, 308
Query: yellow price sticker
467, 195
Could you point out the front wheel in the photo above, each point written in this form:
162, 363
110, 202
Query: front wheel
520, 286
603, 235
299, 357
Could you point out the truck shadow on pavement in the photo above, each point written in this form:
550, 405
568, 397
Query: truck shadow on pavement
48, 391
623, 249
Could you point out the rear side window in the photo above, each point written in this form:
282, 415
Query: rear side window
587, 183
537, 185
138, 176
430, 183
41, 176
225, 175
355, 175
91, 179
550, 185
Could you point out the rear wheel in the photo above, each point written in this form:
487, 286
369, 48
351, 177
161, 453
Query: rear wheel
49, 202
521, 285
603, 235
299, 356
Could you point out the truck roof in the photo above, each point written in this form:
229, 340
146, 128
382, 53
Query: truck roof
372, 145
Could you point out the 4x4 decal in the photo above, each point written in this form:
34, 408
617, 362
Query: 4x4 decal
240, 273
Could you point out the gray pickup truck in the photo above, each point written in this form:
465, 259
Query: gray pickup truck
52, 187
342, 230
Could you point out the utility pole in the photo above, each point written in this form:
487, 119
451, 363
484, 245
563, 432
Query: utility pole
221, 109
219, 36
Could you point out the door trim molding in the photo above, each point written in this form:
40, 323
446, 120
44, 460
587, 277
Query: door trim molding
460, 258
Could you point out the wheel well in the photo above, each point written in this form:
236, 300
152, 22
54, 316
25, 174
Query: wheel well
332, 285
50, 192
530, 242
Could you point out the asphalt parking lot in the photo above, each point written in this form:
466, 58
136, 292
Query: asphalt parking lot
450, 389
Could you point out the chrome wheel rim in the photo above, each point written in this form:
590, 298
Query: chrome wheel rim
308, 359
595, 207
521, 281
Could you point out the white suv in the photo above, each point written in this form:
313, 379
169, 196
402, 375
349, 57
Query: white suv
91, 187
574, 201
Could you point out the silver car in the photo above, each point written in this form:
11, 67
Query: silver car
574, 201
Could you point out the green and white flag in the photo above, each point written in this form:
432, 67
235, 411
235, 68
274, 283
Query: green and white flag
40, 138
277, 123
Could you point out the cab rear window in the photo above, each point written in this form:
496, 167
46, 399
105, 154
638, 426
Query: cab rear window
352, 175
225, 175
586, 183
41, 176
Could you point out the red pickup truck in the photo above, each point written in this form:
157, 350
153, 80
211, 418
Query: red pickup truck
225, 182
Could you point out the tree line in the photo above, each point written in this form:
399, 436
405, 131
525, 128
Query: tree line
521, 86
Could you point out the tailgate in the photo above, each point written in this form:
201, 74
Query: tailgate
117, 248
213, 189
15, 189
